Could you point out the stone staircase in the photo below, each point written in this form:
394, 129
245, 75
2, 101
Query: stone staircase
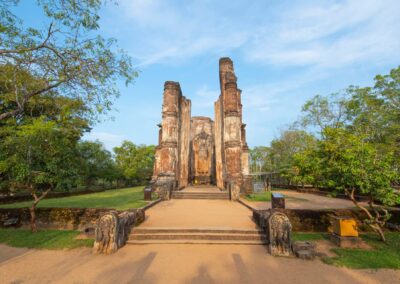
141, 236
199, 195
200, 192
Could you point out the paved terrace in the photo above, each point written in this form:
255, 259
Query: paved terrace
189, 213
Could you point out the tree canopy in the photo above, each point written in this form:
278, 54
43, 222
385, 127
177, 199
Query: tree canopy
67, 55
135, 161
346, 142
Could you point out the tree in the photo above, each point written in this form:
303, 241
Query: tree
358, 150
321, 112
67, 114
350, 164
96, 163
284, 148
54, 82
38, 147
135, 162
259, 159
68, 55
38, 157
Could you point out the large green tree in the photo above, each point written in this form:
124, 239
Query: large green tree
284, 147
38, 157
68, 54
358, 148
96, 163
135, 161
349, 163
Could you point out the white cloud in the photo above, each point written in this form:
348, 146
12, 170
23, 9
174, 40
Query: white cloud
311, 33
306, 41
331, 35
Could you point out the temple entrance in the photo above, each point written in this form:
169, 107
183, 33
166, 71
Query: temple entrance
202, 159
202, 152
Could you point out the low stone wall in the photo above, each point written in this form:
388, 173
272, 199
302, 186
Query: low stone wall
307, 220
61, 218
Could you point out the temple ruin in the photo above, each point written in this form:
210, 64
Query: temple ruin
201, 151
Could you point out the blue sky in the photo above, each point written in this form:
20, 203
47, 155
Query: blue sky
284, 53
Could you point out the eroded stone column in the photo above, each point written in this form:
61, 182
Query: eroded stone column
219, 148
184, 142
232, 125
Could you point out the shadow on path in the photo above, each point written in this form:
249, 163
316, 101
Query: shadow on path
202, 277
123, 272
241, 269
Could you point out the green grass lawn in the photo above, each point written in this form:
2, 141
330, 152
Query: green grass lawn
43, 239
380, 256
263, 196
120, 199
308, 236
267, 196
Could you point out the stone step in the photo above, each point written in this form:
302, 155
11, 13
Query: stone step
199, 195
193, 242
190, 236
155, 230
197, 236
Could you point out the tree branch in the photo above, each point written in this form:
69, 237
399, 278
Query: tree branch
40, 46
352, 198
21, 106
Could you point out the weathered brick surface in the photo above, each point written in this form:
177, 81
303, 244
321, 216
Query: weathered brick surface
195, 150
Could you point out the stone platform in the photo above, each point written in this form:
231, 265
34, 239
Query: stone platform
191, 213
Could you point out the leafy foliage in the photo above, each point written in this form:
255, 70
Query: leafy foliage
350, 143
96, 163
135, 162
68, 55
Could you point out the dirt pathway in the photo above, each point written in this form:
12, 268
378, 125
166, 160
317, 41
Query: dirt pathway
193, 213
178, 264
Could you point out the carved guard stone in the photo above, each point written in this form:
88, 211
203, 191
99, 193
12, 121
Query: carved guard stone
280, 234
113, 231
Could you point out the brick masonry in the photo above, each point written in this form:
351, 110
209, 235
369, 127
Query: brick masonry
199, 150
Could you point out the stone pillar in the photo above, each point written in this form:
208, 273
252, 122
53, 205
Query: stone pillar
219, 147
232, 124
184, 142
245, 151
170, 130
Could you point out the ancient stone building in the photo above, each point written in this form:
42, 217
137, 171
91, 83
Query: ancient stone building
197, 150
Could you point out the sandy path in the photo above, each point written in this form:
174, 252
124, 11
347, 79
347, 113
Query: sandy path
192, 213
178, 264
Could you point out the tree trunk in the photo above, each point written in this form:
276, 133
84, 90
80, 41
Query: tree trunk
380, 232
375, 226
33, 217
32, 210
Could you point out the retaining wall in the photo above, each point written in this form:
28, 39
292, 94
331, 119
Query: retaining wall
61, 218
307, 220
